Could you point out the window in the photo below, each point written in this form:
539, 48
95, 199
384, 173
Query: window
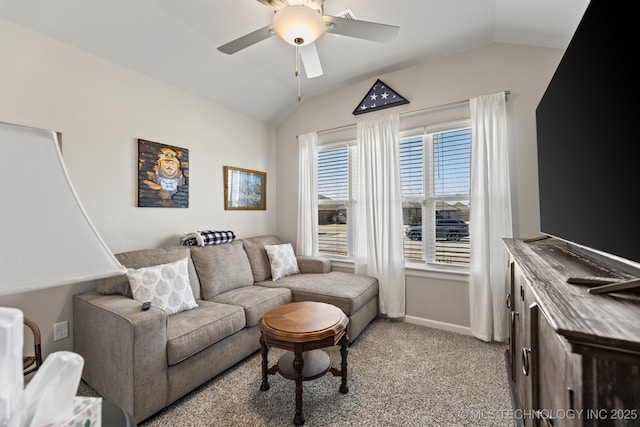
335, 191
435, 170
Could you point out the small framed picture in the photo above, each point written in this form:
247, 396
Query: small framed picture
244, 189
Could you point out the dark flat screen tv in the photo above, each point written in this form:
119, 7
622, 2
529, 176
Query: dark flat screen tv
588, 167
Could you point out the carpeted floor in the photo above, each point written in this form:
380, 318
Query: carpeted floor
400, 374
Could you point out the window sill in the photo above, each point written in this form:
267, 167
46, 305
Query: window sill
460, 274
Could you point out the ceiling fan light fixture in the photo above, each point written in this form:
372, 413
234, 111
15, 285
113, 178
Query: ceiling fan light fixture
298, 25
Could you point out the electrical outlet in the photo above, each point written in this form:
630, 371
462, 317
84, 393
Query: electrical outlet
61, 330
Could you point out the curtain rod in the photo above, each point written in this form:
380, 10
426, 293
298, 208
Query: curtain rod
410, 113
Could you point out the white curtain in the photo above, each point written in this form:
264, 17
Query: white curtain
490, 218
307, 203
378, 206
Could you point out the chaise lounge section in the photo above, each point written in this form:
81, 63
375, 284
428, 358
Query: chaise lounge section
144, 360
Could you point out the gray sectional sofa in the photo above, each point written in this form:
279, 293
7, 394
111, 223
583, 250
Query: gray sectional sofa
144, 360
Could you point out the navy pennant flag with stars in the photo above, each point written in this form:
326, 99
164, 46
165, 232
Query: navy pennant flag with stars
379, 97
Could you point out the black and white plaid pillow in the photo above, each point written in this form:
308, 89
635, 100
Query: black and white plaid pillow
217, 237
208, 237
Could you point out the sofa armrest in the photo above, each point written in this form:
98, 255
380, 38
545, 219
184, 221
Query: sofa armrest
124, 350
313, 264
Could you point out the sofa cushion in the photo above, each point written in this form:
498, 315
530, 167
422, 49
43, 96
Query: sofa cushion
254, 247
165, 286
221, 268
256, 300
347, 291
145, 258
282, 260
191, 331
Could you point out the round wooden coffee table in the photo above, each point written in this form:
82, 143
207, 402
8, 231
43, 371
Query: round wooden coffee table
304, 328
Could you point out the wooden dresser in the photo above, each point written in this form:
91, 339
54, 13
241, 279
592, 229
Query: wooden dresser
574, 356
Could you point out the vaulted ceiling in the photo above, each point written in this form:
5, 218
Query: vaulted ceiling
175, 41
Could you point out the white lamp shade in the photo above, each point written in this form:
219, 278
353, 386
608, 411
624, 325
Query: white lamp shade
47, 238
298, 25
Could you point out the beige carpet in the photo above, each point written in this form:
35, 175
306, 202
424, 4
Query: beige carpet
399, 375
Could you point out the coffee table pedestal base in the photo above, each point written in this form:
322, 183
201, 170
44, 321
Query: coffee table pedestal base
315, 363
308, 365
303, 328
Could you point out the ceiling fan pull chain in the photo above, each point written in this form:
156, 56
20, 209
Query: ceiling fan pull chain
298, 71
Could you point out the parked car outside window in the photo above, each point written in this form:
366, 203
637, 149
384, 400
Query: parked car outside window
340, 217
450, 229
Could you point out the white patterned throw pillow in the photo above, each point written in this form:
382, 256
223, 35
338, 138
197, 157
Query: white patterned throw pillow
282, 260
166, 286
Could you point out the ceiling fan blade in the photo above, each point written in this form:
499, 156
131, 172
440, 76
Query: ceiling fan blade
311, 60
361, 29
246, 40
274, 4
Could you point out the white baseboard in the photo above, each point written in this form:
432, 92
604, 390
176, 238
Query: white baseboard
464, 330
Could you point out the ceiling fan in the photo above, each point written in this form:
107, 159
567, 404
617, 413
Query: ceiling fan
301, 22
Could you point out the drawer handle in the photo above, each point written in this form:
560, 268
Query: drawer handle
525, 361
509, 300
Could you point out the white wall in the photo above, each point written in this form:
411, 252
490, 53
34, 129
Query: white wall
102, 109
525, 71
